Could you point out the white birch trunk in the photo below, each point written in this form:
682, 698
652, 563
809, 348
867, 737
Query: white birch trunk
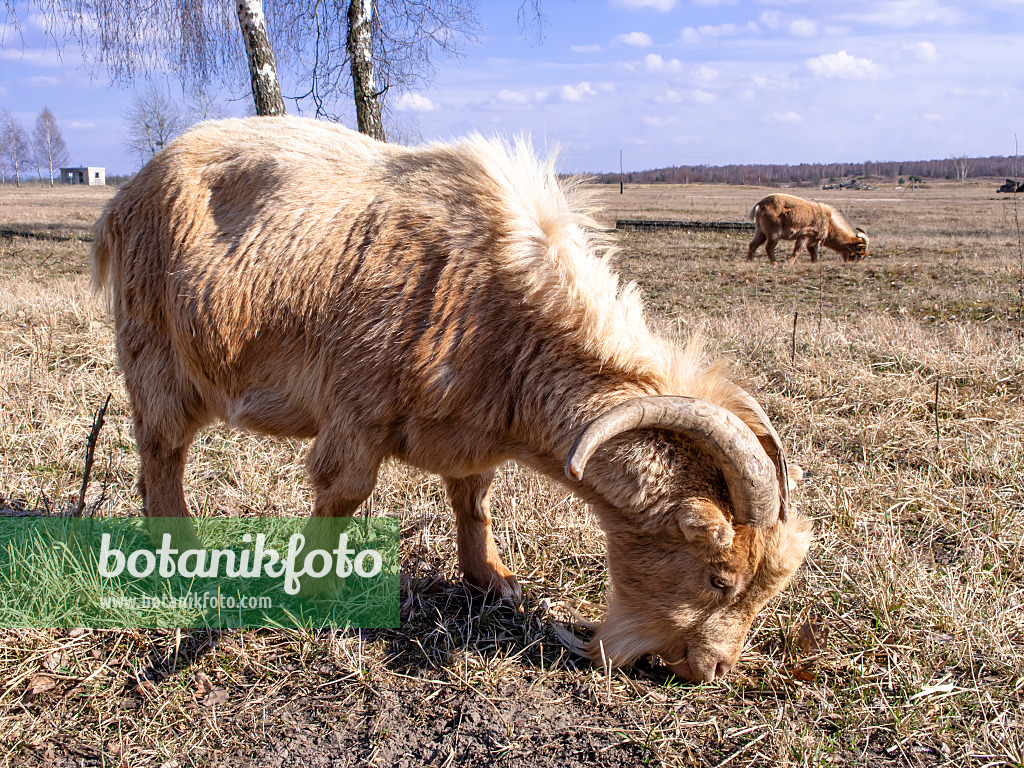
266, 88
360, 54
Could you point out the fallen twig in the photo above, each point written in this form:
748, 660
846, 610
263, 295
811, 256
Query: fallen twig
94, 433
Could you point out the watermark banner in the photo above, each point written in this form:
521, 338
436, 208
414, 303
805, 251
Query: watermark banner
213, 572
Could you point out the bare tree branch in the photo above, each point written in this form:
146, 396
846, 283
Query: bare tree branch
50, 150
151, 122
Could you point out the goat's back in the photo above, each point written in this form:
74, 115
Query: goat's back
270, 248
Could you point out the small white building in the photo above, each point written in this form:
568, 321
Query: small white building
93, 177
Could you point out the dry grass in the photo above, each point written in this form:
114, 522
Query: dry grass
901, 641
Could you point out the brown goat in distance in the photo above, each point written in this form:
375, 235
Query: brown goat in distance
450, 306
811, 224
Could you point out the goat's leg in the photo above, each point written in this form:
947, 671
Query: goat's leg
756, 243
769, 248
167, 412
814, 248
343, 473
478, 557
161, 482
798, 246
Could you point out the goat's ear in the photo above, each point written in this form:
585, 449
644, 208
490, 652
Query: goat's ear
701, 522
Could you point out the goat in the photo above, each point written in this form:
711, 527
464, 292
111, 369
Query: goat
811, 224
450, 306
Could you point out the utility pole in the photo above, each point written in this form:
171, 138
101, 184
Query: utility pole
621, 182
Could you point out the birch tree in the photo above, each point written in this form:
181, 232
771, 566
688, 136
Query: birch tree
198, 42
334, 51
48, 144
15, 143
266, 87
961, 166
359, 45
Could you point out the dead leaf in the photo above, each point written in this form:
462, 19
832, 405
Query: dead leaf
215, 697
146, 687
203, 684
811, 638
39, 684
55, 661
803, 674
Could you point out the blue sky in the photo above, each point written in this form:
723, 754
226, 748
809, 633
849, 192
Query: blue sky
668, 82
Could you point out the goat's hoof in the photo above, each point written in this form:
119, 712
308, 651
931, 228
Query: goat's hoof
500, 583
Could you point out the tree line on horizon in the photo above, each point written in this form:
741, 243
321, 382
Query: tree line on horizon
957, 168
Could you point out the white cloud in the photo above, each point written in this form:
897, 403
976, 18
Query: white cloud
80, 125
845, 67
659, 122
727, 30
636, 5
783, 117
932, 116
42, 81
691, 36
44, 58
922, 51
592, 48
771, 19
766, 83
576, 92
705, 73
513, 97
803, 28
653, 62
907, 13
638, 39
415, 102
696, 96
669, 97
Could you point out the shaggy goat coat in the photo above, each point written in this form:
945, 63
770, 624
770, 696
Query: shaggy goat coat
810, 224
447, 305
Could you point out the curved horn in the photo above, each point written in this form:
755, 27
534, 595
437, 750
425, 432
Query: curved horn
756, 492
772, 445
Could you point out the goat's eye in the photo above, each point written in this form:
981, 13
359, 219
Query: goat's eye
719, 583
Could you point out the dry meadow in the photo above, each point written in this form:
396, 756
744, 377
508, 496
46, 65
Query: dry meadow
900, 641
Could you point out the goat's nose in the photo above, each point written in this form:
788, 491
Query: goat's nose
722, 668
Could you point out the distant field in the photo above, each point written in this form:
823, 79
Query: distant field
900, 642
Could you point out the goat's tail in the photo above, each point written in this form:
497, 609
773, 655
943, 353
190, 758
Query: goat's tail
753, 212
103, 248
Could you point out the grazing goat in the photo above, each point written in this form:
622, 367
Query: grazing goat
450, 306
785, 217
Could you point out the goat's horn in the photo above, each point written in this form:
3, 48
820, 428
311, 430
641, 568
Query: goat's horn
749, 472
